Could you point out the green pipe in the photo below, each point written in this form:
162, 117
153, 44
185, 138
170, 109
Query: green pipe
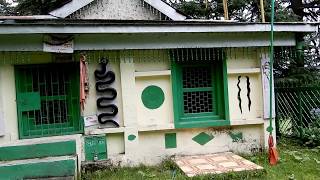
271, 65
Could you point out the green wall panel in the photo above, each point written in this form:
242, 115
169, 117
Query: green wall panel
203, 138
170, 140
95, 148
28, 101
38, 170
236, 137
37, 150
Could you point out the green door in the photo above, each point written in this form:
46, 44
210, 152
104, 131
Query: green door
48, 100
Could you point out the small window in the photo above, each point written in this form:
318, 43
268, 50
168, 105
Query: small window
48, 100
200, 94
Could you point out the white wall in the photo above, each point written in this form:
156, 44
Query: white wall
8, 94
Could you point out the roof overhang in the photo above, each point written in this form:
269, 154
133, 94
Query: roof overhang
28, 35
130, 27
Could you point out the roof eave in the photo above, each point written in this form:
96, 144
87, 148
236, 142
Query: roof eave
131, 28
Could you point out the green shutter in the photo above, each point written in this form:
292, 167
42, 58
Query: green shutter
28, 101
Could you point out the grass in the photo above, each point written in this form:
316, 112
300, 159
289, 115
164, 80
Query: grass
297, 162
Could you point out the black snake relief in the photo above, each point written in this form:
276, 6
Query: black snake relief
248, 92
105, 118
104, 80
239, 93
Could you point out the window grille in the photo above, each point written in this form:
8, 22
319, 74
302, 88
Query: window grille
197, 89
48, 100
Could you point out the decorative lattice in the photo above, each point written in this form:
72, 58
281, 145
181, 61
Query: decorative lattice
197, 102
196, 77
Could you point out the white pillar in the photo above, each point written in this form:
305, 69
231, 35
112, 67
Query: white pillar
265, 76
2, 130
129, 106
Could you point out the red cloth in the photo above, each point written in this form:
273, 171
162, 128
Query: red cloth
83, 80
273, 153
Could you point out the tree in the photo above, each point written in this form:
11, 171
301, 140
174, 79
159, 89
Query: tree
38, 7
240, 10
5, 8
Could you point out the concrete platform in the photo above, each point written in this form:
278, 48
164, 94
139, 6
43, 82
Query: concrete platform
214, 164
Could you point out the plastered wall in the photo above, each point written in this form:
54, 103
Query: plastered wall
152, 149
250, 85
116, 9
90, 106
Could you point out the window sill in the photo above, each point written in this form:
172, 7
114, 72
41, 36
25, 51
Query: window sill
247, 122
152, 73
202, 124
105, 131
244, 71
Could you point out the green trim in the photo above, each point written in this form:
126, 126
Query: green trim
170, 140
220, 115
39, 170
37, 151
95, 148
203, 138
202, 124
131, 137
152, 97
225, 89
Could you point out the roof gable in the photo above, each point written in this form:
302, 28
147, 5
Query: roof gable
118, 9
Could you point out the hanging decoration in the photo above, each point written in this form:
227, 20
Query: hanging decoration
84, 80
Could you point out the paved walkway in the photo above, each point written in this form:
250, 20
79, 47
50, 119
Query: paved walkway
214, 164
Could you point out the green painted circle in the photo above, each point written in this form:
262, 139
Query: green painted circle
131, 137
152, 97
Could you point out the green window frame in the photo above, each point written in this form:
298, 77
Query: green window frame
217, 114
48, 100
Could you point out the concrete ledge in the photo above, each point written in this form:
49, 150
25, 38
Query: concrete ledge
247, 122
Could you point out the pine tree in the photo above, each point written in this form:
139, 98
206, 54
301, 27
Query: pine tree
5, 8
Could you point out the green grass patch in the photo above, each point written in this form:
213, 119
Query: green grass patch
297, 162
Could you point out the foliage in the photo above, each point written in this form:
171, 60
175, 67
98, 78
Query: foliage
296, 162
309, 136
6, 8
38, 7
240, 10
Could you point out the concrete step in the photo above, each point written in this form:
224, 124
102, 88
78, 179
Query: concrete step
50, 167
218, 163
